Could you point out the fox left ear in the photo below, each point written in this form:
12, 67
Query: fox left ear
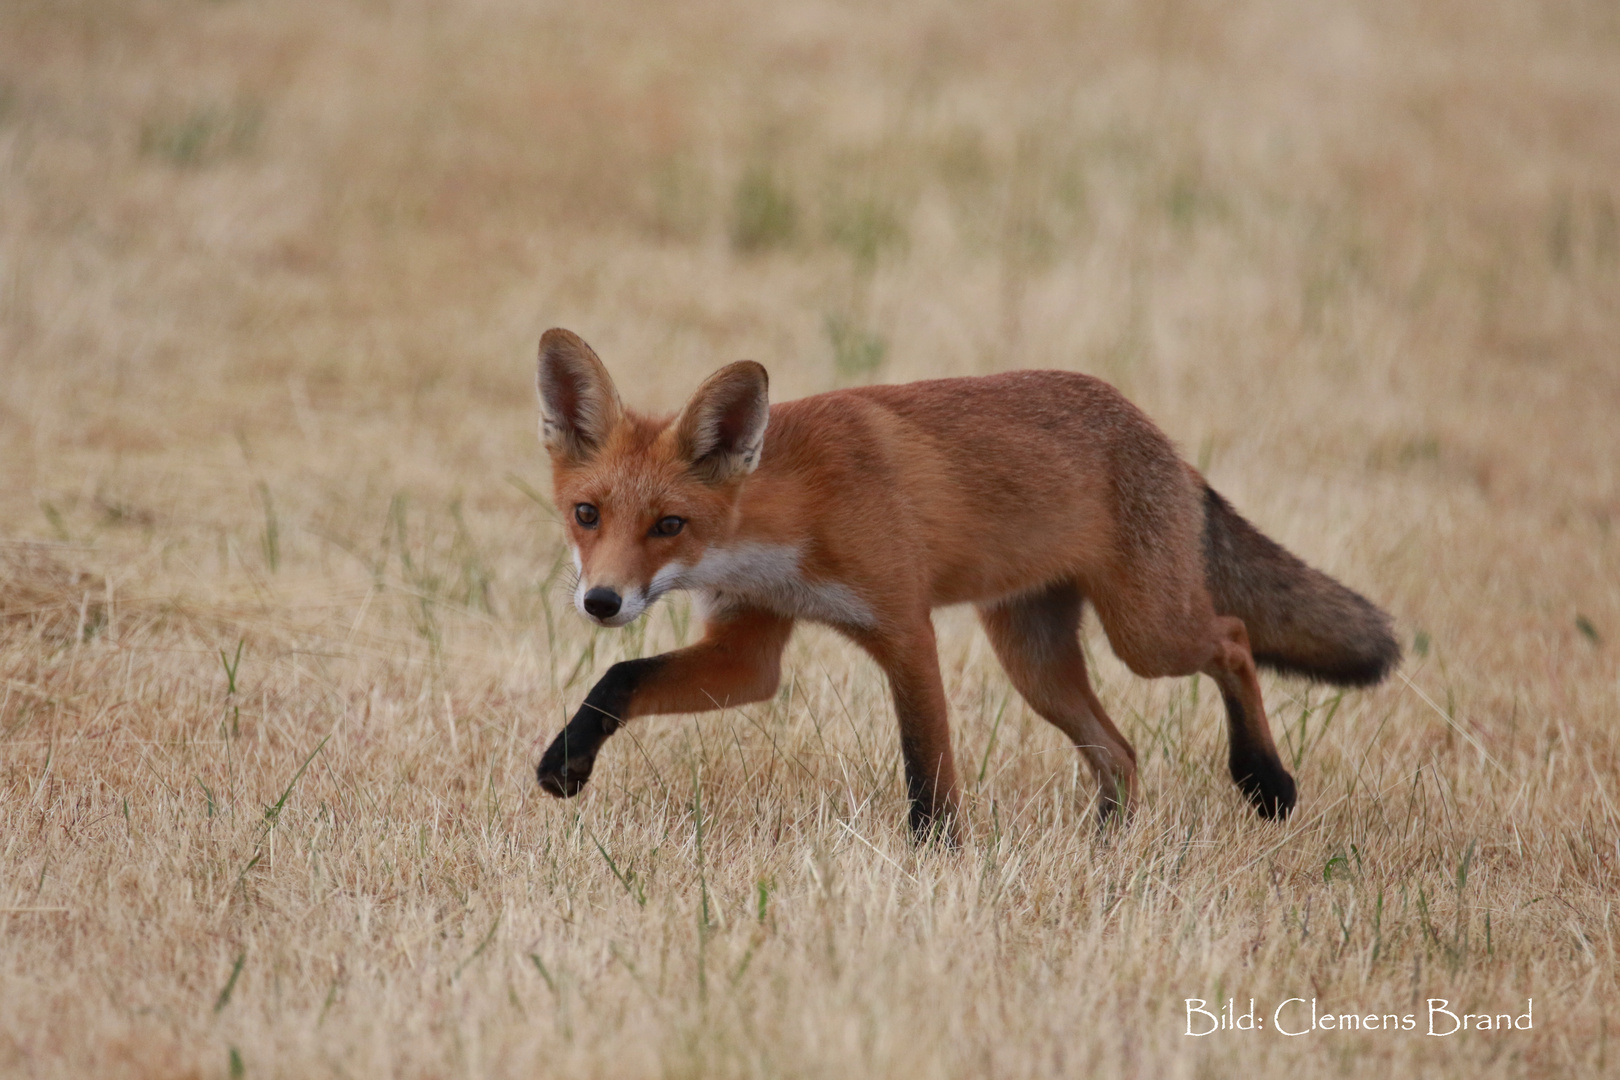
722, 429
578, 404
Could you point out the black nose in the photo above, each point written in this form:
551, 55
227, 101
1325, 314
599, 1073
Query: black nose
602, 603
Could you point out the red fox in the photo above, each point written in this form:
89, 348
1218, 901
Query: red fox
1027, 493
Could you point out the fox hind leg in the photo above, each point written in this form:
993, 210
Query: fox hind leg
1036, 638
1252, 756
1162, 622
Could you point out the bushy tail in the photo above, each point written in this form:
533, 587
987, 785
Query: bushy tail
1300, 621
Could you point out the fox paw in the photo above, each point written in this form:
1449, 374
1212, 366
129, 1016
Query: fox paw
934, 827
1271, 793
561, 775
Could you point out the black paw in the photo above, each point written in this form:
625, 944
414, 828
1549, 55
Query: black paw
1269, 789
562, 775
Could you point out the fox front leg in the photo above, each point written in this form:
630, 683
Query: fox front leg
909, 657
739, 660
568, 761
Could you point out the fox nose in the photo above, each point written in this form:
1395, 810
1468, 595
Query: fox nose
602, 603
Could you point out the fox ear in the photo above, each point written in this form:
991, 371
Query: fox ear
578, 404
722, 429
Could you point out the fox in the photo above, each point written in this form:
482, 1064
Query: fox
1028, 494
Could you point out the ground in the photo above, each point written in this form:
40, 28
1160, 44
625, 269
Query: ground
284, 621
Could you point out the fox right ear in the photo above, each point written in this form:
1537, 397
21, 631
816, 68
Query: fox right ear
721, 432
578, 403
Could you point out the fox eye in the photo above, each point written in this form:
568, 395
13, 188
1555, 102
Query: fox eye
668, 526
587, 515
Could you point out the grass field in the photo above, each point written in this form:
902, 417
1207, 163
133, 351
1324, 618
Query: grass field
284, 621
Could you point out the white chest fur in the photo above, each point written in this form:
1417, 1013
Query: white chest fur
765, 576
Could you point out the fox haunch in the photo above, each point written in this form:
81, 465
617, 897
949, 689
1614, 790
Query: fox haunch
1028, 494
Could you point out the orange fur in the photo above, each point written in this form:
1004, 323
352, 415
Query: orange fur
1026, 493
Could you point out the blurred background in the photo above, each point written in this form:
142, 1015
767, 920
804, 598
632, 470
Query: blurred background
1366, 234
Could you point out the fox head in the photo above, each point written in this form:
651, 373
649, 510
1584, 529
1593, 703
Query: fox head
642, 498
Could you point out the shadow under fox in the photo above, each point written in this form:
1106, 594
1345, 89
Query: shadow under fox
1028, 494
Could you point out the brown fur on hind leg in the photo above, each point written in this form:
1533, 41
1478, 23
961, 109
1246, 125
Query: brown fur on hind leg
1252, 756
1036, 638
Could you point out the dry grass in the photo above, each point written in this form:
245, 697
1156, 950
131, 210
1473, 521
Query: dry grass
280, 628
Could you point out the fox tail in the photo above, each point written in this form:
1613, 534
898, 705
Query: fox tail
1300, 621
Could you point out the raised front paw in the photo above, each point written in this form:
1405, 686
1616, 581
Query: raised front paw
563, 775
